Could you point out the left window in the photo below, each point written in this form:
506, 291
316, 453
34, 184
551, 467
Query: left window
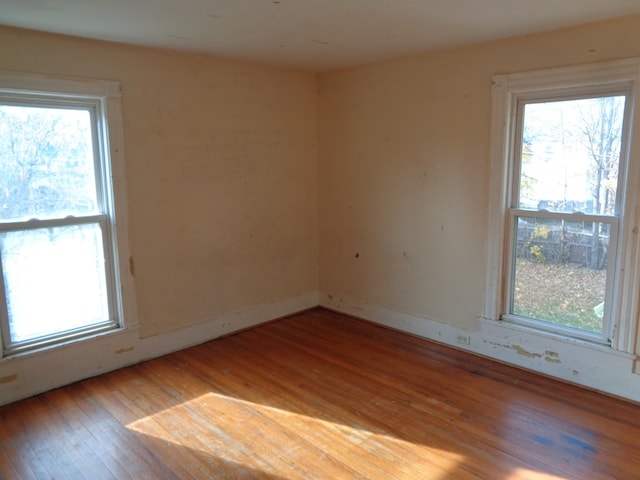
59, 268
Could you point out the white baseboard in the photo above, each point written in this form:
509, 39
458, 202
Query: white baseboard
25, 375
594, 366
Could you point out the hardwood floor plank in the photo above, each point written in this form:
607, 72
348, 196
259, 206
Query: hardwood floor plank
435, 424
42, 442
217, 398
22, 460
73, 440
98, 444
385, 413
320, 395
128, 451
441, 386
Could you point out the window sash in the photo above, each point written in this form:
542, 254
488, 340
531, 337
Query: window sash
509, 279
52, 222
96, 109
561, 95
112, 321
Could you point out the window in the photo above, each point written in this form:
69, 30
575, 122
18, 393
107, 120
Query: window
563, 252
60, 274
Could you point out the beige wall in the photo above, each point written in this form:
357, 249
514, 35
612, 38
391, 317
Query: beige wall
243, 179
404, 169
221, 169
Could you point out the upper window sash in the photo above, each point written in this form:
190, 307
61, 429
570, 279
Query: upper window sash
95, 106
520, 100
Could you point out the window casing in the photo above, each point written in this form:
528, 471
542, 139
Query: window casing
62, 260
511, 96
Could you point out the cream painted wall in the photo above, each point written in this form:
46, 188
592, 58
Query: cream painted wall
243, 179
221, 168
404, 170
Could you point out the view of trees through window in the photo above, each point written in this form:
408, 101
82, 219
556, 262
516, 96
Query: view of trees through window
567, 205
47, 167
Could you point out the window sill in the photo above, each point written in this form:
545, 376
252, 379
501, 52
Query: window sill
542, 334
115, 335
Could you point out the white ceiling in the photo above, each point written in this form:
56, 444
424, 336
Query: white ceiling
315, 35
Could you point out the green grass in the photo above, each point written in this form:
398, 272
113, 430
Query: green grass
564, 294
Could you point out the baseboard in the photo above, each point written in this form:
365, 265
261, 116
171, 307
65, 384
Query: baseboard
593, 366
27, 375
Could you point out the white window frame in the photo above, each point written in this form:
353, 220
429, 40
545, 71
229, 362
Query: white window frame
507, 91
103, 99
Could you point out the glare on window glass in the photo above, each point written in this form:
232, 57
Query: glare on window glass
570, 155
46, 163
54, 280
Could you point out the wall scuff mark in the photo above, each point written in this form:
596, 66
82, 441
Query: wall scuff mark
123, 350
552, 357
8, 379
525, 353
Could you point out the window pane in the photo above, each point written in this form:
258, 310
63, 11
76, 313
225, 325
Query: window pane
570, 155
46, 163
560, 272
54, 280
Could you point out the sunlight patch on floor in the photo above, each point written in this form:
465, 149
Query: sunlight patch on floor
523, 473
274, 441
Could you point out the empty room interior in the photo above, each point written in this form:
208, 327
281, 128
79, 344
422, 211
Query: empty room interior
305, 239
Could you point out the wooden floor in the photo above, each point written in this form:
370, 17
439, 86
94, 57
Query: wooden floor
320, 396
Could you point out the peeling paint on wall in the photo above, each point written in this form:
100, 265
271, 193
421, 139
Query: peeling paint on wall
549, 356
552, 357
525, 353
124, 350
8, 379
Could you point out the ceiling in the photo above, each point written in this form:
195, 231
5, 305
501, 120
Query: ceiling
315, 35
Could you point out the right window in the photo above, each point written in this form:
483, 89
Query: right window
565, 211
568, 245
